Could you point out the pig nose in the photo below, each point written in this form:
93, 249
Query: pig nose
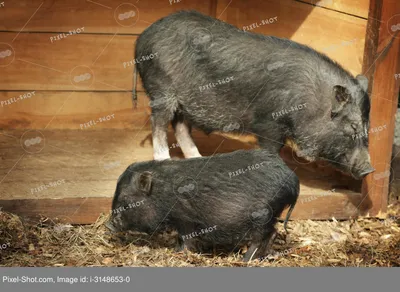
360, 163
111, 226
367, 171
361, 173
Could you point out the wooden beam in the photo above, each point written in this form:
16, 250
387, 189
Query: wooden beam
381, 63
71, 210
87, 210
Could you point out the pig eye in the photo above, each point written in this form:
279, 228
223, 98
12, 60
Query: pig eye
354, 126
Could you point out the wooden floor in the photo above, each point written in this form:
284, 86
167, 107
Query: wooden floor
72, 174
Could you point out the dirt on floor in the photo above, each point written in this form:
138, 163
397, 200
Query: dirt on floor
363, 242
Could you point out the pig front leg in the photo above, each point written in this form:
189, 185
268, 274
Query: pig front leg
184, 137
185, 141
186, 241
160, 139
180, 244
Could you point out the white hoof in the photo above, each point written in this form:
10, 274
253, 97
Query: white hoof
192, 153
161, 155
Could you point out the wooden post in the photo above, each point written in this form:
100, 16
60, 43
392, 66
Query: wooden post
381, 63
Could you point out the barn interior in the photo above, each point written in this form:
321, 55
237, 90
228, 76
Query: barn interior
65, 140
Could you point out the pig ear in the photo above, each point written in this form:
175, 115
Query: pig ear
363, 81
144, 182
342, 97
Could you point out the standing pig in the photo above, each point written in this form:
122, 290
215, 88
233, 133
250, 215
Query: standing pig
216, 77
225, 201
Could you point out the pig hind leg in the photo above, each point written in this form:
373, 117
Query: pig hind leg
184, 137
164, 105
160, 139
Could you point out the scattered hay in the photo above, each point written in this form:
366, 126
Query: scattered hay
361, 242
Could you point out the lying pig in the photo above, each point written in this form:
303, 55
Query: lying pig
216, 77
219, 201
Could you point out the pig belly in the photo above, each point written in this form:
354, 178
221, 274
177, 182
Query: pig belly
210, 116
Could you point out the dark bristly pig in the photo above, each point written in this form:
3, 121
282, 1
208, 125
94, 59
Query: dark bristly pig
223, 201
216, 77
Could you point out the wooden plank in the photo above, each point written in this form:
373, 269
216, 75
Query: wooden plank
95, 16
74, 164
353, 7
48, 65
71, 210
381, 63
38, 64
86, 210
87, 162
72, 110
338, 35
79, 171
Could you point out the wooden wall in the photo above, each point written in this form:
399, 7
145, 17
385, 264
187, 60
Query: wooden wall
60, 106
48, 67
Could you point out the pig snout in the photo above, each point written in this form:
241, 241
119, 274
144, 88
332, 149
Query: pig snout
360, 163
116, 223
360, 173
110, 225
